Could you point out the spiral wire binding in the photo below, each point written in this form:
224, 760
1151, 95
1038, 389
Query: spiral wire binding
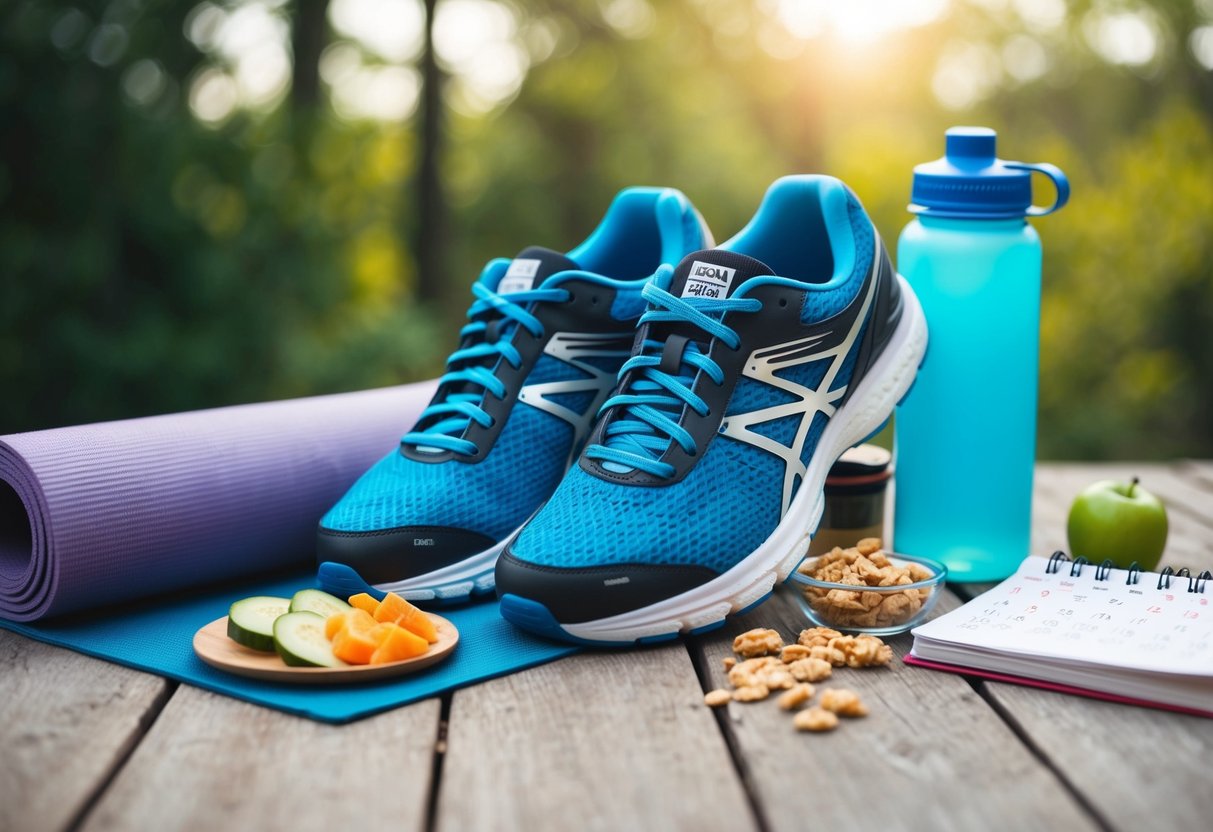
1197, 584
1059, 557
1103, 572
1165, 575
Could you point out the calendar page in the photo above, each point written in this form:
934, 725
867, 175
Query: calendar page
1082, 620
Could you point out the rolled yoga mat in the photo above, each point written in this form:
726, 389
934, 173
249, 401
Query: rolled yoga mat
97, 514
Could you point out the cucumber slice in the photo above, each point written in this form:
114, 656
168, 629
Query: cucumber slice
300, 641
321, 603
251, 622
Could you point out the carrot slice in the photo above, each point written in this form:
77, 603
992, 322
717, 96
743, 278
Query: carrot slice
398, 643
395, 609
335, 623
364, 601
355, 637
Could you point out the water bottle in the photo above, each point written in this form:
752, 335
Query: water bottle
965, 436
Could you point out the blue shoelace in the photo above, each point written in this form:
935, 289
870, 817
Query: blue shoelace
491, 344
654, 400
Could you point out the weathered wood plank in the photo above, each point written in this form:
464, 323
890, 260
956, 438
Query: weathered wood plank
931, 754
1200, 470
66, 721
608, 740
1138, 768
211, 762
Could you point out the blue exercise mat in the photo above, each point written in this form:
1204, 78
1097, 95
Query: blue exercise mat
157, 636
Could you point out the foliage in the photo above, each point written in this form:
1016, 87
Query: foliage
154, 260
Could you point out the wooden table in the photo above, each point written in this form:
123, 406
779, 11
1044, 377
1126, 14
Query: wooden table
617, 740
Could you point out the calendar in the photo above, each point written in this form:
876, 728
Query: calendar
1123, 634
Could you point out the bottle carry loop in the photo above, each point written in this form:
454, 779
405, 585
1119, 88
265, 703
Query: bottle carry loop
1060, 183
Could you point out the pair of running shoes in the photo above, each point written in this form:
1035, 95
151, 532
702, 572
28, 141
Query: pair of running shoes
631, 440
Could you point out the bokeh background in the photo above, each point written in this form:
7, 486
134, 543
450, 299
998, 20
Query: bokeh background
211, 202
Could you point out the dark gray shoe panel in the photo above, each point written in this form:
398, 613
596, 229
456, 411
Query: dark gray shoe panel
395, 554
886, 314
577, 595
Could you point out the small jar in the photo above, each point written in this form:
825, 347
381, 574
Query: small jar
854, 499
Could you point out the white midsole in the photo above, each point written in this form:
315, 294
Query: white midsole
466, 570
878, 392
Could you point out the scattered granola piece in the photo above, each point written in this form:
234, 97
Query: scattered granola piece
793, 697
748, 672
843, 702
810, 670
776, 678
728, 662
757, 642
718, 697
793, 652
751, 693
815, 719
868, 651
817, 636
829, 655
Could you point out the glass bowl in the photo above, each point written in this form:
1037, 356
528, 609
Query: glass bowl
876, 610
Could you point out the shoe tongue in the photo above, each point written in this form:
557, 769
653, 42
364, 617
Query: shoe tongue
531, 267
714, 273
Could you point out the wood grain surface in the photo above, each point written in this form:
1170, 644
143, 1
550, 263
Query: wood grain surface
618, 740
599, 741
929, 743
67, 722
211, 762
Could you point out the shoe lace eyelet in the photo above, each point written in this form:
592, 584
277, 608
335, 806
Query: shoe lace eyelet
783, 301
594, 299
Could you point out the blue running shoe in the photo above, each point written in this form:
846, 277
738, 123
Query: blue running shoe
756, 365
546, 337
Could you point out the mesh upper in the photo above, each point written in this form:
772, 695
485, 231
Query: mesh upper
548, 369
726, 506
491, 497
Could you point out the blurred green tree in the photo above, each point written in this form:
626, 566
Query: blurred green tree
210, 201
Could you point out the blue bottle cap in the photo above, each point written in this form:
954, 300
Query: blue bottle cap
971, 182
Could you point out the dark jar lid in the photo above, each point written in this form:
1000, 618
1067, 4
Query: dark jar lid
863, 467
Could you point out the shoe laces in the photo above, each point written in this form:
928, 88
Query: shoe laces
650, 408
471, 370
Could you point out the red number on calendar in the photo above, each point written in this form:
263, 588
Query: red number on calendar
1191, 614
1154, 608
1044, 593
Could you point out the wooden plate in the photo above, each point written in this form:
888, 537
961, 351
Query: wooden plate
214, 647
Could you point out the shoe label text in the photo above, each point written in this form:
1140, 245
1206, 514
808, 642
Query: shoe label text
708, 280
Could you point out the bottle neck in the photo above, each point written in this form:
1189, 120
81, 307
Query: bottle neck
973, 223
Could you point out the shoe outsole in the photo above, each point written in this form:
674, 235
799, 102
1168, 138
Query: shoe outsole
707, 607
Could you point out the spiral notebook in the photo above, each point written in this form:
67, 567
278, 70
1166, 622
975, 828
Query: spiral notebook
1122, 635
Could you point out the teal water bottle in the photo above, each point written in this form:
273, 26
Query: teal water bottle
965, 435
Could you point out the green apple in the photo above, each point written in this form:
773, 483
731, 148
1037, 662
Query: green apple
1118, 520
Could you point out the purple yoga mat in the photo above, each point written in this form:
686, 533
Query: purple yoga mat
97, 514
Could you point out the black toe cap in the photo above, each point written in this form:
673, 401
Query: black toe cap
395, 554
588, 594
